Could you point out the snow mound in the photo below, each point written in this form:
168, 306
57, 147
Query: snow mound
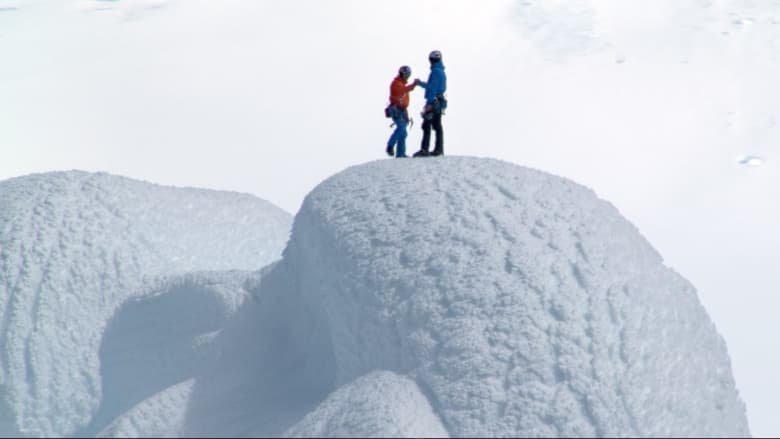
74, 246
519, 303
159, 416
447, 296
380, 404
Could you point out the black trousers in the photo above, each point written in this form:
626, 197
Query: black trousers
435, 123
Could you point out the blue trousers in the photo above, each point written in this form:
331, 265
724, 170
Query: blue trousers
398, 138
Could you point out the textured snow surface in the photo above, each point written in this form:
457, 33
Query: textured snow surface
159, 340
446, 296
73, 247
380, 404
157, 343
519, 302
159, 416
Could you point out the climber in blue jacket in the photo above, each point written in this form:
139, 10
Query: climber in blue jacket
435, 104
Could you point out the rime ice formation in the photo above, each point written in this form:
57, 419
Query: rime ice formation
160, 340
159, 416
73, 247
521, 303
379, 404
445, 296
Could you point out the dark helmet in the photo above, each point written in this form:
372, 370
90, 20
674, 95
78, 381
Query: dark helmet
434, 56
405, 72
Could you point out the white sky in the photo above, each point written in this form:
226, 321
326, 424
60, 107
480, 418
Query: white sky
649, 103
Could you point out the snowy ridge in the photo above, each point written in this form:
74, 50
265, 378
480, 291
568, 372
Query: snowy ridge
73, 247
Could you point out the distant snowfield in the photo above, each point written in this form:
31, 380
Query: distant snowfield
487, 299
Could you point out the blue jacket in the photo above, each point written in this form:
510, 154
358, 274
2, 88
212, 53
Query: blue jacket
436, 84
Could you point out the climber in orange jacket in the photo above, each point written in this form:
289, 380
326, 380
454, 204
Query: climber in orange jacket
399, 101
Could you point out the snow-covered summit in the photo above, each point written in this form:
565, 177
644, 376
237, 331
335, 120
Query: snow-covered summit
73, 247
518, 302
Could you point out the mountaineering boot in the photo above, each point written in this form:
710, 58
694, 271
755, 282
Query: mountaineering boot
390, 151
421, 153
437, 152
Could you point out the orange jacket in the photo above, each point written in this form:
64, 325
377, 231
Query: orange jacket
399, 92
